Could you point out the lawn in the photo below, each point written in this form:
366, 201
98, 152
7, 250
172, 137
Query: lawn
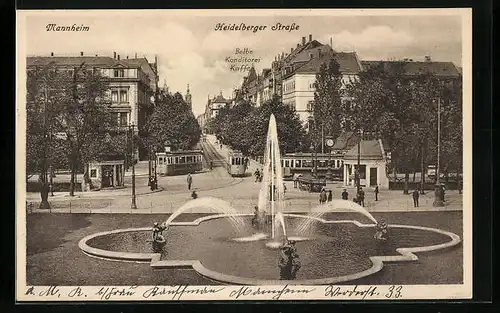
53, 256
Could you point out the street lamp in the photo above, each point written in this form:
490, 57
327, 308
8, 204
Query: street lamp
438, 197
358, 170
133, 205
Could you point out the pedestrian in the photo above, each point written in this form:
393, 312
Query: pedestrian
257, 175
322, 196
361, 197
211, 165
376, 193
189, 181
345, 195
330, 196
194, 195
415, 195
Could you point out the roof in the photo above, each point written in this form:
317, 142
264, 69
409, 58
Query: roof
369, 149
76, 61
345, 141
348, 62
220, 98
411, 68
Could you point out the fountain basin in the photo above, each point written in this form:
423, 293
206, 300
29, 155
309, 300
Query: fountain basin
338, 251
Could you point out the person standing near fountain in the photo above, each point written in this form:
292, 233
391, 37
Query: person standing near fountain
189, 181
415, 195
376, 193
361, 197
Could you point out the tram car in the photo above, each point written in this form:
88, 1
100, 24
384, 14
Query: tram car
304, 163
179, 162
236, 163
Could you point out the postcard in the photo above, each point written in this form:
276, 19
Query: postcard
293, 154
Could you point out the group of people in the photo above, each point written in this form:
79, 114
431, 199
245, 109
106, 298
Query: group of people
325, 196
289, 261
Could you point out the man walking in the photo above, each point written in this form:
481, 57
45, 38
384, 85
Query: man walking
361, 197
189, 181
376, 193
415, 195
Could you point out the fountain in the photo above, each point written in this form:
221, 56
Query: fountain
212, 203
272, 188
342, 250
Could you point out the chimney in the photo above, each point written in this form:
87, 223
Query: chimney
96, 55
303, 41
298, 45
291, 50
427, 58
81, 53
331, 42
52, 54
310, 37
135, 56
114, 55
127, 57
118, 57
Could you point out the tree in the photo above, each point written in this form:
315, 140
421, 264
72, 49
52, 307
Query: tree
172, 120
327, 110
291, 133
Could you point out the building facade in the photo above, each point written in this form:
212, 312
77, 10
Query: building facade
132, 85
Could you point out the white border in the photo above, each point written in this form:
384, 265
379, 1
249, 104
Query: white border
463, 291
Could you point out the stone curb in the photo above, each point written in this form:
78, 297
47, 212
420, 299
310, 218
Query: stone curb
407, 254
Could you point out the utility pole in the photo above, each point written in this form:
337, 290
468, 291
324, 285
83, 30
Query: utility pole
133, 205
438, 201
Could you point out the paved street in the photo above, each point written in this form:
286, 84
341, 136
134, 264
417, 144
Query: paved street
242, 193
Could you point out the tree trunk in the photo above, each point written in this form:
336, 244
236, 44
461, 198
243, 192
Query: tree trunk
407, 178
72, 180
44, 192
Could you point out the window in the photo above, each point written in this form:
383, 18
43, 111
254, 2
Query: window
123, 96
176, 160
169, 160
189, 159
297, 163
182, 160
281, 163
93, 173
114, 96
287, 163
238, 161
160, 161
119, 73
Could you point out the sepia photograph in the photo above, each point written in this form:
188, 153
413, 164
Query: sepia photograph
244, 154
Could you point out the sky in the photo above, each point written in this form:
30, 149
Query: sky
190, 50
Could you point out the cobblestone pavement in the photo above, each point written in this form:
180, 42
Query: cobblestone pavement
241, 193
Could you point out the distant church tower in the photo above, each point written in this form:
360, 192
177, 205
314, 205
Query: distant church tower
188, 98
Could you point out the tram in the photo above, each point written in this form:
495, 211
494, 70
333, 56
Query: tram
179, 162
236, 163
304, 163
